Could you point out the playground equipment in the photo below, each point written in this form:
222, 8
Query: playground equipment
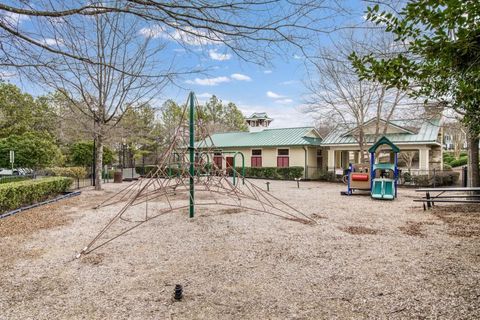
183, 170
378, 178
358, 178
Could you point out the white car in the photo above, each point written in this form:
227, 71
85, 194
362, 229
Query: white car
6, 172
15, 172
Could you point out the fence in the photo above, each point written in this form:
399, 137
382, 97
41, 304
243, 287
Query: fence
6, 179
408, 178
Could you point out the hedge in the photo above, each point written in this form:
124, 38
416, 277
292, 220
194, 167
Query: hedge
325, 175
459, 162
14, 195
72, 172
289, 173
445, 178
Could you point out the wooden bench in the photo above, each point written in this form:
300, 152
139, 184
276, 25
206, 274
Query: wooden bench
450, 195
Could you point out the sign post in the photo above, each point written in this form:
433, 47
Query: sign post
12, 158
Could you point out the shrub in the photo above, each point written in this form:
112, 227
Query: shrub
17, 194
81, 154
447, 167
325, 175
407, 176
459, 162
446, 178
72, 172
422, 180
289, 173
441, 178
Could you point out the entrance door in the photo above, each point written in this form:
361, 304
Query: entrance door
229, 164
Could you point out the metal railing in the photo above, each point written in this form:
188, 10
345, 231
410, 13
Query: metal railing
15, 178
408, 178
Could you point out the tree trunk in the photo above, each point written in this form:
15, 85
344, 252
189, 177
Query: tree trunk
473, 159
98, 161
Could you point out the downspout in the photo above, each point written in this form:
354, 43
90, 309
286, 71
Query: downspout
306, 167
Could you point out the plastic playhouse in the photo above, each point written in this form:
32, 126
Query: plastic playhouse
378, 178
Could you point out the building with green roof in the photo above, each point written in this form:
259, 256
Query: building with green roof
265, 147
304, 147
420, 138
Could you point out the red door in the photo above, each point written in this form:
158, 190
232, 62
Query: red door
218, 161
229, 164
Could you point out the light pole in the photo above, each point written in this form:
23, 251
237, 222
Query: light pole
94, 161
124, 143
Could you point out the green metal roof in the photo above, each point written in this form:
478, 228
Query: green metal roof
265, 138
420, 131
260, 115
383, 141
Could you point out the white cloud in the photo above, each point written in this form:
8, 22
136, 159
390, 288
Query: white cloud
217, 80
297, 57
274, 95
240, 77
267, 71
289, 82
278, 98
7, 74
284, 101
214, 55
209, 81
188, 36
51, 42
13, 18
204, 95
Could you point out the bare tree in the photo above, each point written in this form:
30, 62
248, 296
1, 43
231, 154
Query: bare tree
337, 94
458, 135
127, 76
407, 157
239, 25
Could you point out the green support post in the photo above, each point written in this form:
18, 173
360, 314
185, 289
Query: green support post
192, 154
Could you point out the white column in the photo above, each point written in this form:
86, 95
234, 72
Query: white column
424, 159
331, 159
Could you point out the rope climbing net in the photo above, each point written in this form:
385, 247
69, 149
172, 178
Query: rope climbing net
182, 182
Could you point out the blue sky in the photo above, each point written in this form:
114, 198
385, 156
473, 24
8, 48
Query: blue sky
277, 89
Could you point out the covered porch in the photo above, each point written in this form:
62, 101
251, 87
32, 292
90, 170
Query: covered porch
422, 158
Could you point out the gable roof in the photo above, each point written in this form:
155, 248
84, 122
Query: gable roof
383, 122
267, 138
258, 115
383, 141
411, 131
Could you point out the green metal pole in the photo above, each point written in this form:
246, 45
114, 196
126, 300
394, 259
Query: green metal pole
192, 155
234, 171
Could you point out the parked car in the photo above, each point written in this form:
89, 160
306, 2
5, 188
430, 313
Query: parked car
6, 172
16, 172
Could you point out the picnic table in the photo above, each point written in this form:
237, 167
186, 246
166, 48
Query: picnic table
453, 195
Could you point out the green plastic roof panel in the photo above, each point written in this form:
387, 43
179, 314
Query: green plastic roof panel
265, 138
384, 141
